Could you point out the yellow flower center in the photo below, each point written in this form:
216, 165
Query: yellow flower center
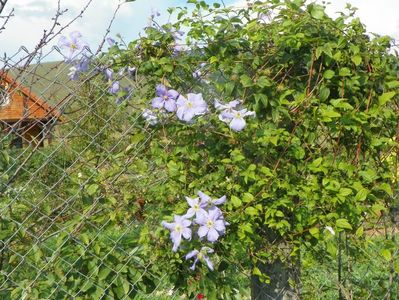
209, 224
74, 46
200, 255
238, 115
178, 228
196, 207
189, 104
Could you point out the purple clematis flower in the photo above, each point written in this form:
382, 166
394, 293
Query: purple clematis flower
114, 88
178, 229
235, 118
110, 41
74, 44
226, 108
165, 98
212, 224
200, 256
109, 74
196, 207
192, 106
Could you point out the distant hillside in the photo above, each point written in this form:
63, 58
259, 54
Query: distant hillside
49, 80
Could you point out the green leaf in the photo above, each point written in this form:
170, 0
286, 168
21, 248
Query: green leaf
386, 188
263, 82
384, 98
324, 93
92, 189
362, 194
314, 231
328, 74
236, 201
343, 223
392, 84
357, 60
247, 197
252, 211
386, 254
317, 11
246, 81
344, 72
345, 192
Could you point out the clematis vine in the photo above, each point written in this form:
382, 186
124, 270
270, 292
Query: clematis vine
200, 256
208, 222
165, 98
74, 45
212, 225
178, 229
235, 118
188, 108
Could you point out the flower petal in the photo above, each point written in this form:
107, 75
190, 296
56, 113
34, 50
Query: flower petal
220, 226
185, 222
237, 124
157, 102
191, 201
170, 105
190, 213
202, 218
167, 225
209, 263
192, 254
193, 266
188, 115
202, 231
212, 235
219, 201
187, 233
161, 90
173, 94
204, 197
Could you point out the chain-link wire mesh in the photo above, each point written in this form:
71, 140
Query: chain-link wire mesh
72, 215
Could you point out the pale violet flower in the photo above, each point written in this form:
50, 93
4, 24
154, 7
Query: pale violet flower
235, 118
74, 45
178, 229
226, 108
200, 256
191, 106
165, 98
196, 207
212, 224
330, 229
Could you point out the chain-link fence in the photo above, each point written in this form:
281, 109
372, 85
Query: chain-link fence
73, 217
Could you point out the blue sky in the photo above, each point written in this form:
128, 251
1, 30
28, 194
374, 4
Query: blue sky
32, 16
